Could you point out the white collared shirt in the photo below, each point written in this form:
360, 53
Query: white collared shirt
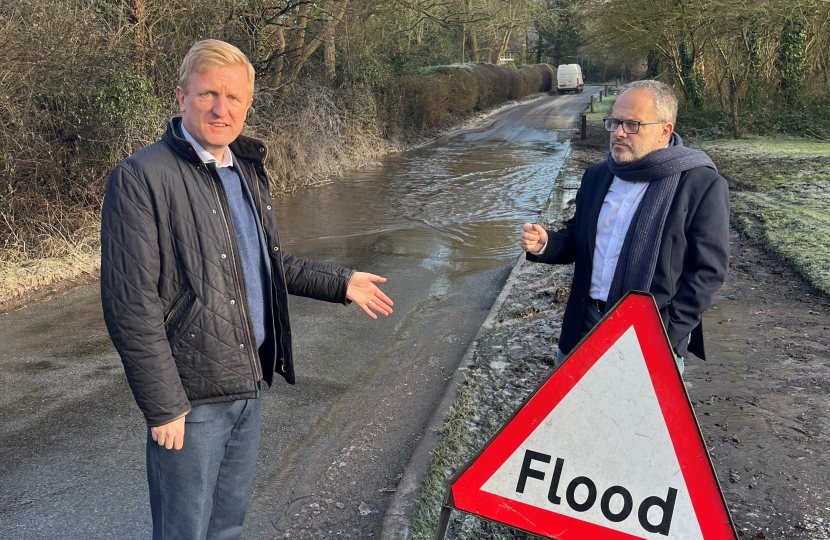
207, 157
618, 209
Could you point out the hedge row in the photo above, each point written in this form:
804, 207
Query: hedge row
409, 105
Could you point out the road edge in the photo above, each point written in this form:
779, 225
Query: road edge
396, 521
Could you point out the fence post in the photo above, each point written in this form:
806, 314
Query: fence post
592, 103
606, 90
584, 132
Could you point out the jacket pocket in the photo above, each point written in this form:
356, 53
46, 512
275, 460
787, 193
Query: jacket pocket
676, 216
180, 316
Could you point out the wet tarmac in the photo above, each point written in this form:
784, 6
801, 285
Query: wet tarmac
439, 221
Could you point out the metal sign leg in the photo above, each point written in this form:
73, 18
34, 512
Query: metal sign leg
443, 523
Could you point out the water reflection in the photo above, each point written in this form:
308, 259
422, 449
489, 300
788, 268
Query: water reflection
455, 205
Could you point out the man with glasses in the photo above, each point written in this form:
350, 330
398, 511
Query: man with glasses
653, 217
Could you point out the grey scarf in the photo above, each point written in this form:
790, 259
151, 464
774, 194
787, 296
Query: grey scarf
662, 169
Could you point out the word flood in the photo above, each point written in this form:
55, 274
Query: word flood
666, 505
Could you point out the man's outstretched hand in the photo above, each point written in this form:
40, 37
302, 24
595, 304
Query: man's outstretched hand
363, 292
534, 238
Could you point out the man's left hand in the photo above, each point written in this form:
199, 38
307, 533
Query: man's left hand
363, 292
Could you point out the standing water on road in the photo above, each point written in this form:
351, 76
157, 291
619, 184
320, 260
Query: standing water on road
454, 206
442, 223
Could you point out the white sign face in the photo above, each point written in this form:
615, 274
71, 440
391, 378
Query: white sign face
604, 455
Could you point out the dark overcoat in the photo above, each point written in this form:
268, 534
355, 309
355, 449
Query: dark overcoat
691, 263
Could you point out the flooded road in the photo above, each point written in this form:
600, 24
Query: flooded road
440, 222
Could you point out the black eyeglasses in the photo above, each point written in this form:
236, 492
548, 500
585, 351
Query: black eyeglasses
631, 127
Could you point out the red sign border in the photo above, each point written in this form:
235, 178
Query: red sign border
636, 309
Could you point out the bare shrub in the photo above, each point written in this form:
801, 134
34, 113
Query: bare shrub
70, 109
485, 82
82, 85
462, 92
320, 133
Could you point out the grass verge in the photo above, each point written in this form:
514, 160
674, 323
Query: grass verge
781, 196
38, 277
602, 108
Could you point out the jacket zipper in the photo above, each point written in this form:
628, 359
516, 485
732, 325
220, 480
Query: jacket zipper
174, 308
273, 285
241, 296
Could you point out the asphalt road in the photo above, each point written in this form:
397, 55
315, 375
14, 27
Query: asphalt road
439, 221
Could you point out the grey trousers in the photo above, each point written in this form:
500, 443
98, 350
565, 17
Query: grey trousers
592, 317
202, 491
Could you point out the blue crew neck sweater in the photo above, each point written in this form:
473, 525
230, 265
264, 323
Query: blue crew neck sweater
250, 241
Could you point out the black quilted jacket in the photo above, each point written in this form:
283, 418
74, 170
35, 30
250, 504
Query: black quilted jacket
171, 280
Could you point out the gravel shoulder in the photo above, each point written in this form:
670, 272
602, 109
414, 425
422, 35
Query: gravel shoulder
761, 398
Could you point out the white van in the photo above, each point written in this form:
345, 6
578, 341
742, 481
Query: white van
569, 78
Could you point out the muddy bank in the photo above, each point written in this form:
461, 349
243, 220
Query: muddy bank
761, 399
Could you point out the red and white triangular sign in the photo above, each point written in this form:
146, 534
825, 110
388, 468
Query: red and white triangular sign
608, 447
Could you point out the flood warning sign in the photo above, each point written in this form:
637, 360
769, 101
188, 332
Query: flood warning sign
608, 447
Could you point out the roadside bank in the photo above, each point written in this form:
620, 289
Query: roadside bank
761, 399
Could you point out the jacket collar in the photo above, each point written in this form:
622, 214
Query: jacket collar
244, 148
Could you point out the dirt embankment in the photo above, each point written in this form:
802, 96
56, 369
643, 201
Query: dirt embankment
762, 399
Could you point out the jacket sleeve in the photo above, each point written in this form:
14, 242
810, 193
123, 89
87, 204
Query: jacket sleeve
130, 267
707, 260
561, 245
316, 279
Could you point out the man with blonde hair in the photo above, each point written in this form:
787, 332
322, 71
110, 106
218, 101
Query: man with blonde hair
654, 216
195, 285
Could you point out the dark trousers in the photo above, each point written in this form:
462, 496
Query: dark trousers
592, 317
202, 491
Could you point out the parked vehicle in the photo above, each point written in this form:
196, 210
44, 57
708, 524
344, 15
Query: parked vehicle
569, 78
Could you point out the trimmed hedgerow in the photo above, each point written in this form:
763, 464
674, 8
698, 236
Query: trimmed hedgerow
412, 104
